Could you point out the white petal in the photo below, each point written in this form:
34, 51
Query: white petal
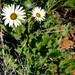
18, 21
12, 7
15, 23
17, 7
20, 9
6, 21
21, 17
4, 18
11, 23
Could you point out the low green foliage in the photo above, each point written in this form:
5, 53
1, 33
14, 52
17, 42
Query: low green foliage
33, 47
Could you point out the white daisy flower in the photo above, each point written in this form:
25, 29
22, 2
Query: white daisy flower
13, 15
38, 14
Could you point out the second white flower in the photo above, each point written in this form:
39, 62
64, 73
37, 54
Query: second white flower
38, 14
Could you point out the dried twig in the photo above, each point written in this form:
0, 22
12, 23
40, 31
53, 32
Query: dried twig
2, 43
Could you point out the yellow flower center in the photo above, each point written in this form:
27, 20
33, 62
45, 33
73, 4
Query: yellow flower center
38, 15
13, 16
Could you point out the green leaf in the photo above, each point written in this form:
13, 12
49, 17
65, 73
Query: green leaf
39, 45
28, 4
70, 2
19, 50
20, 29
45, 39
67, 29
11, 62
30, 26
